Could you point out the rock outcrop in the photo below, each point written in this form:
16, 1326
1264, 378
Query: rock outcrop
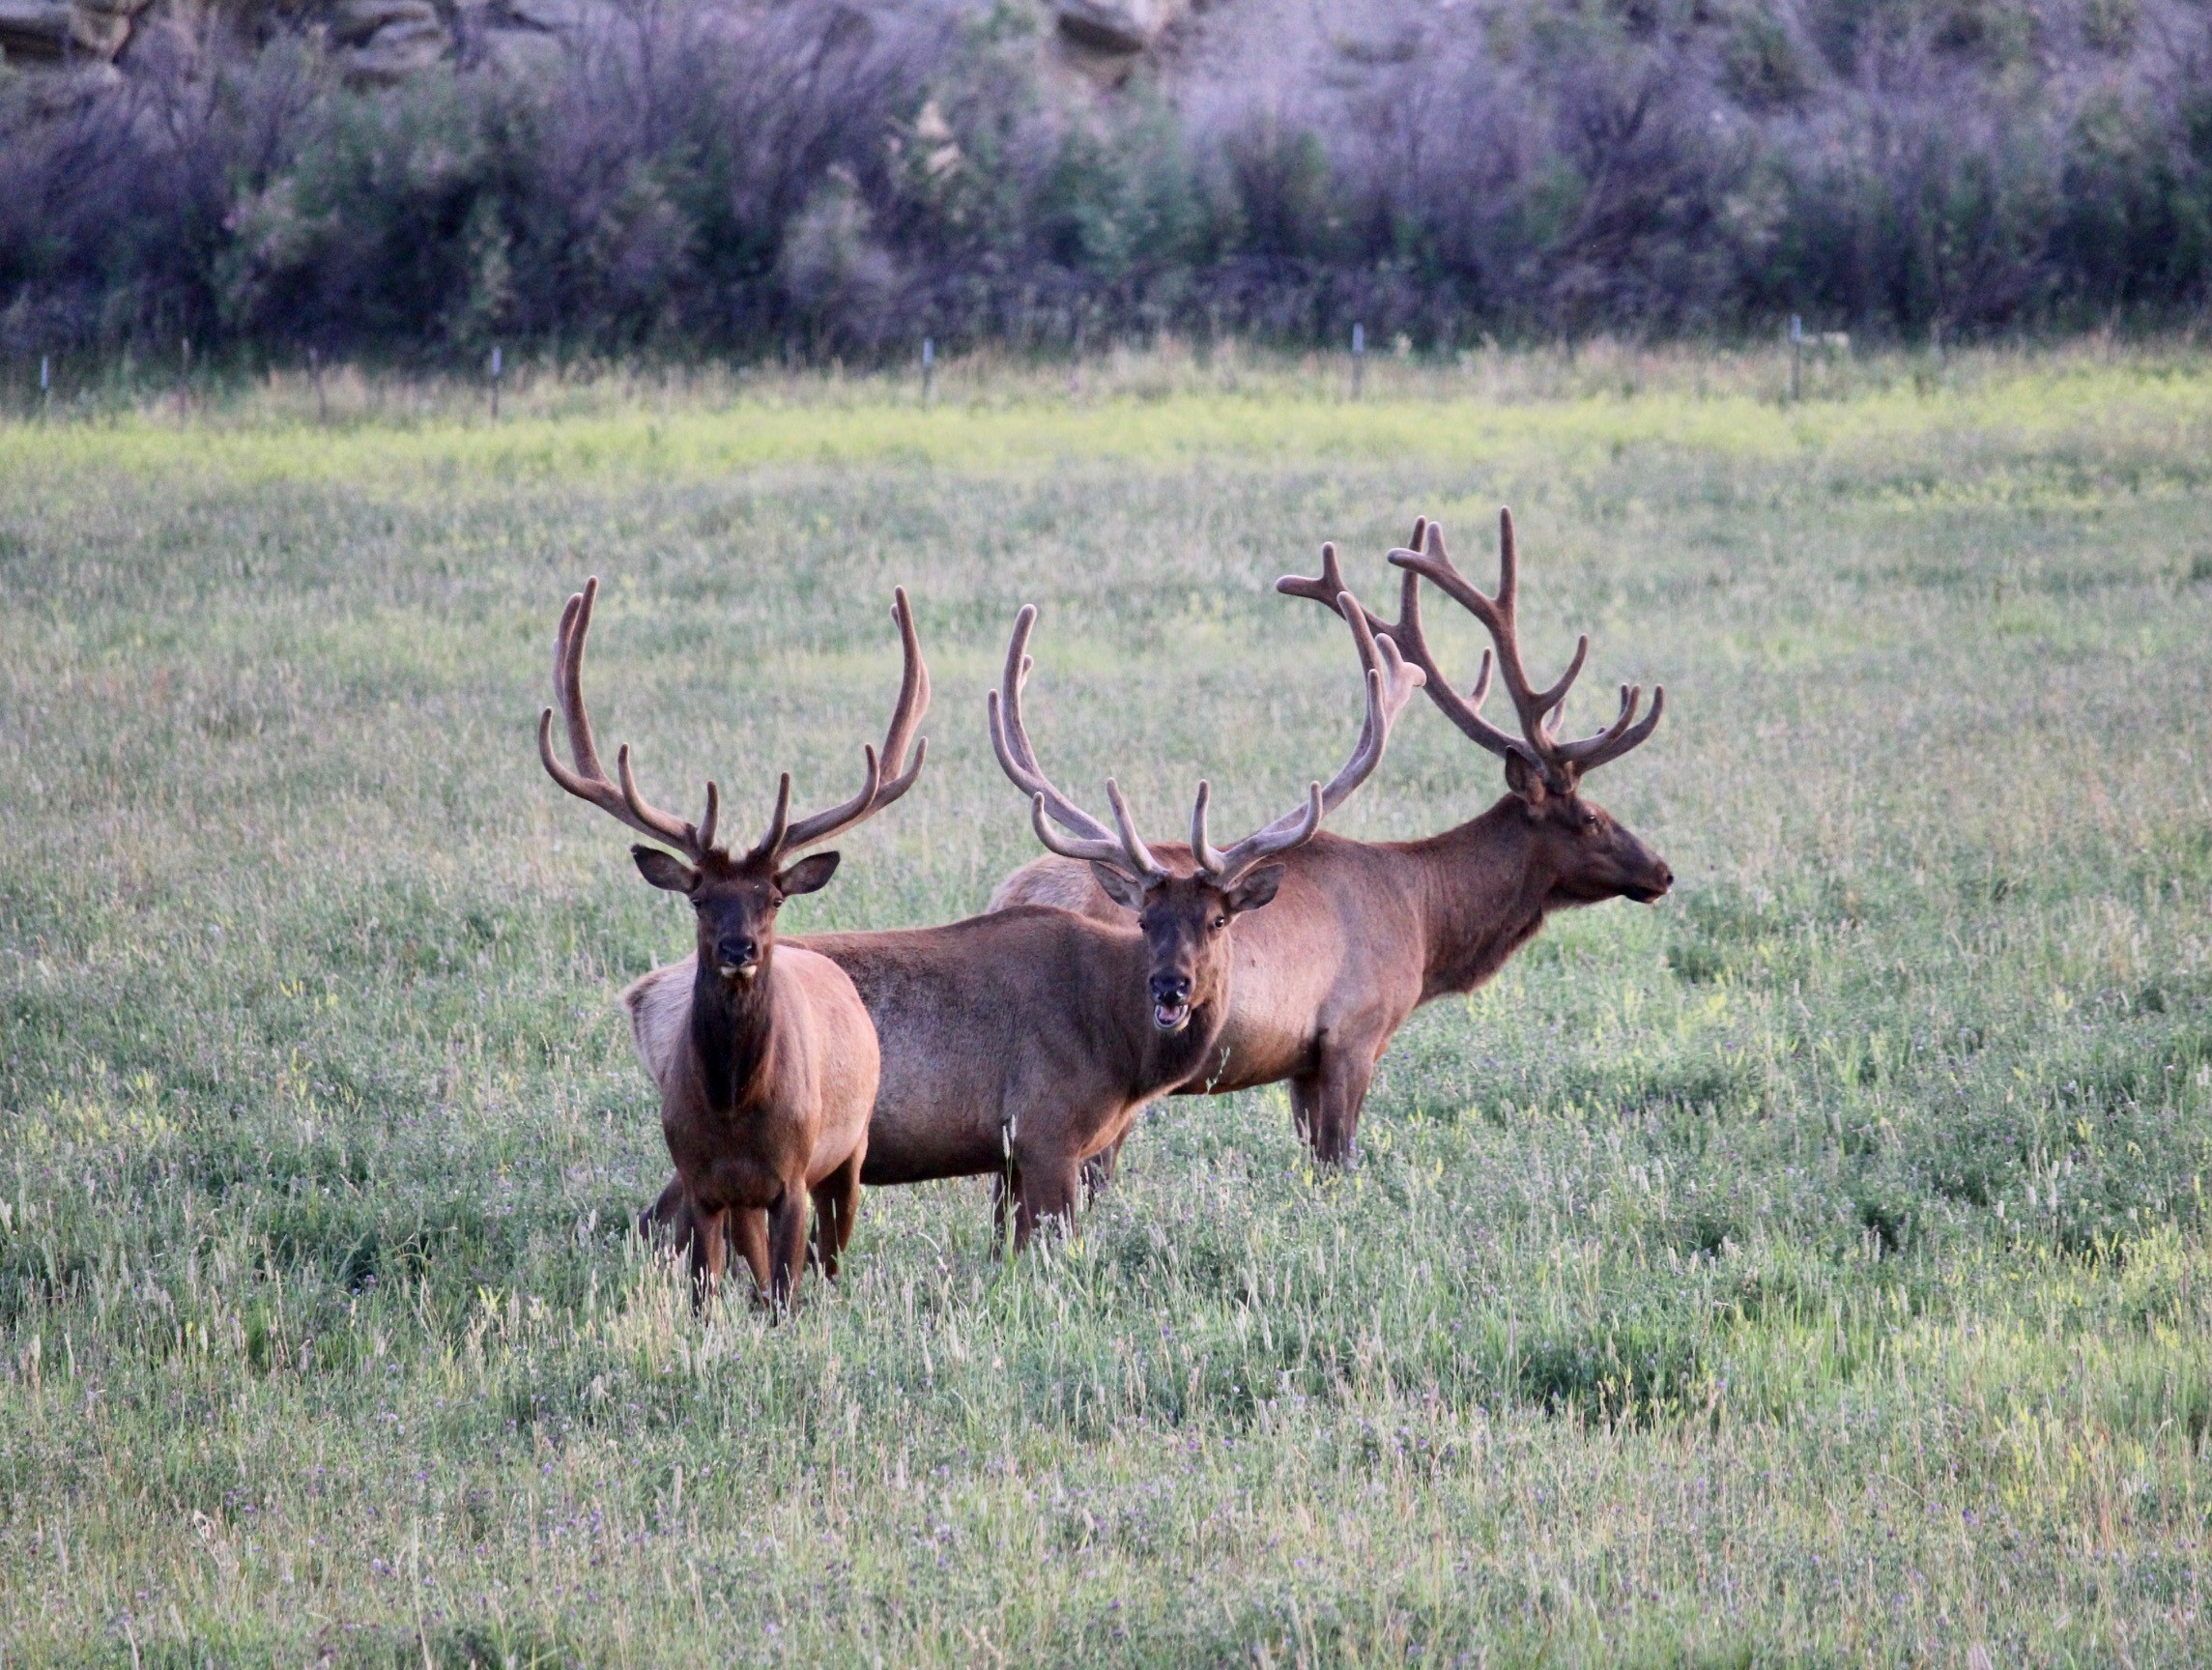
65, 31
1124, 27
382, 41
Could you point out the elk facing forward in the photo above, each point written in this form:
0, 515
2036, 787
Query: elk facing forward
771, 1064
1021, 1043
1364, 933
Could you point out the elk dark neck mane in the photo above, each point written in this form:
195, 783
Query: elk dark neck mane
1483, 896
733, 1035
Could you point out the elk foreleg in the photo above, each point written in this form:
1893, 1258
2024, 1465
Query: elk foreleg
1046, 1189
1326, 1102
669, 1222
787, 1225
707, 1246
749, 1229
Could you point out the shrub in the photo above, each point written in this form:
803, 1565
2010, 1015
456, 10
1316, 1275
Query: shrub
828, 179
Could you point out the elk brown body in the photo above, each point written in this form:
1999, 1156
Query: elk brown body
1022, 1043
1362, 933
770, 1065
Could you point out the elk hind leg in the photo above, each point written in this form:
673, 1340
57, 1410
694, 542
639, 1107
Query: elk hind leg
836, 1207
1326, 1103
665, 1214
1099, 1168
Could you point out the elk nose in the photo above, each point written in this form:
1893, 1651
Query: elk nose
738, 951
1170, 989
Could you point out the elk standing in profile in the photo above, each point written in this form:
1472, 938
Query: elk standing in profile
1021, 1043
1364, 933
771, 1066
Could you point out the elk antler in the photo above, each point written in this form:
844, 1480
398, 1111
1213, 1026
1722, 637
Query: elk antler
1390, 684
886, 777
1123, 849
589, 780
1538, 744
883, 780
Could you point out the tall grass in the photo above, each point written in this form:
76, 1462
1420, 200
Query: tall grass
1810, 1268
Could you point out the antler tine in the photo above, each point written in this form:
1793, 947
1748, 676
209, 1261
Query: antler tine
1539, 710
1090, 849
589, 780
1330, 586
822, 825
644, 815
882, 780
1391, 685
1293, 830
1543, 701
1137, 856
1087, 838
1389, 681
1413, 642
1010, 739
568, 677
1202, 853
1433, 563
1464, 711
1620, 735
913, 704
779, 820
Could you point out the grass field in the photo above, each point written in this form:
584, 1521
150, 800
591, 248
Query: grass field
1809, 1270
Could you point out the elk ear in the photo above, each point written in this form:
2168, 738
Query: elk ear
809, 874
1123, 889
1255, 891
1526, 781
664, 870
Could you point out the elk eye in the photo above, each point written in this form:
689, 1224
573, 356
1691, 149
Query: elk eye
1219, 923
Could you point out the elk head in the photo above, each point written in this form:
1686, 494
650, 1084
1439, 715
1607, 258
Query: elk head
735, 898
1185, 919
1588, 856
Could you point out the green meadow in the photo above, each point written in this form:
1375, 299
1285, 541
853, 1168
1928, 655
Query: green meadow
1809, 1269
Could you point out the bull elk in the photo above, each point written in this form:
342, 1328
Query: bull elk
1021, 1043
772, 1065
1364, 933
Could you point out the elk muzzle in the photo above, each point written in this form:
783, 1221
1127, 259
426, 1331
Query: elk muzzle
1170, 1001
737, 957
1648, 878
